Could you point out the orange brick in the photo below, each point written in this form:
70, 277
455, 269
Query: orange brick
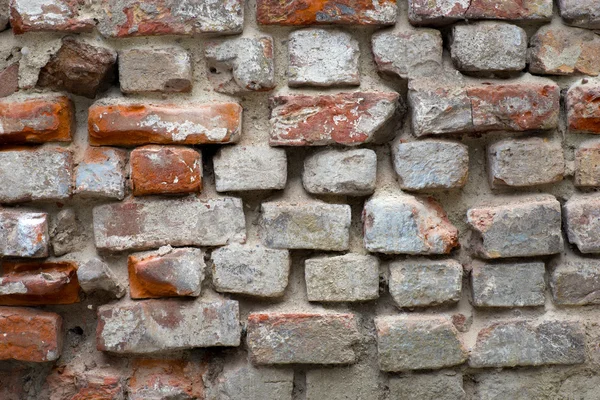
65, 383
583, 108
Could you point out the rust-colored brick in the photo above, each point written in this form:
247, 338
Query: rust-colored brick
139, 124
165, 170
49, 16
66, 383
154, 377
29, 335
583, 108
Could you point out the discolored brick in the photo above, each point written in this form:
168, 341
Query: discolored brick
582, 224
50, 16
582, 13
248, 382
354, 382
95, 276
166, 378
66, 383
438, 386
23, 234
66, 232
587, 164
10, 60
583, 108
575, 281
101, 173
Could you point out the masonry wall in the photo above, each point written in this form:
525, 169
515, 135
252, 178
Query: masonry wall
299, 200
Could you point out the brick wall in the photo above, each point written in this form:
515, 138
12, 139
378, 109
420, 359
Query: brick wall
299, 200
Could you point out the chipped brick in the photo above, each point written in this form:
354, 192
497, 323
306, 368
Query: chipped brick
95, 276
101, 173
23, 234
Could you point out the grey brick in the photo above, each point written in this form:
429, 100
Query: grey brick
66, 231
355, 382
23, 233
254, 383
587, 163
582, 223
439, 386
582, 13
95, 276
101, 173
575, 281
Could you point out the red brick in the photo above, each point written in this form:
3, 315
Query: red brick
29, 335
179, 378
138, 124
165, 170
583, 108
343, 118
38, 283
67, 384
330, 12
49, 16
9, 80
36, 119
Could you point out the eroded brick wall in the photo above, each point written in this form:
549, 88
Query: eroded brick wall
299, 200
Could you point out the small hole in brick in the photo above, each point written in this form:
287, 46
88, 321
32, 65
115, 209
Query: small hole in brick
77, 330
212, 70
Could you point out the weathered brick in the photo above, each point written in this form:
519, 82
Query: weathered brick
101, 173
153, 326
344, 172
408, 53
30, 335
13, 379
431, 164
23, 234
65, 231
582, 13
320, 57
424, 283
36, 119
241, 65
583, 108
132, 124
489, 47
308, 225
351, 277
132, 225
561, 50
38, 283
79, 68
4, 14
163, 69
354, 382
50, 16
170, 17
528, 343
343, 118
326, 12
587, 164
524, 228
166, 379
35, 174
252, 270
575, 281
10, 59
167, 272
508, 284
241, 168
249, 382
165, 170
95, 276
397, 223
436, 12
525, 162
582, 223
440, 386
302, 338
66, 383
414, 343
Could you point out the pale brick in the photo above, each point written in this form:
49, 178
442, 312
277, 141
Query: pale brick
575, 281
583, 13
587, 164
415, 342
153, 326
526, 343
163, 379
38, 174
525, 162
101, 173
319, 57
249, 382
163, 69
298, 338
424, 283
355, 382
23, 234
508, 284
251, 270
397, 223
440, 386
431, 164
188, 222
240, 168
351, 277
583, 109
50, 16
305, 225
95, 276
352, 172
582, 222
66, 232
524, 228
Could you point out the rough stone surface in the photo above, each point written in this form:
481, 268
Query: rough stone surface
23, 234
424, 283
343, 118
147, 70
439, 386
415, 343
49, 16
95, 276
508, 284
582, 223
251, 270
101, 173
189, 222
241, 168
153, 326
587, 163
249, 382
241, 65
67, 382
351, 277
307, 225
526, 228
319, 57
525, 162
167, 272
575, 281
489, 47
36, 174
79, 68
326, 12
131, 124
583, 108
431, 164
4, 14
523, 343
582, 13
408, 53
355, 382
351, 172
166, 379
65, 231
397, 223
302, 338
